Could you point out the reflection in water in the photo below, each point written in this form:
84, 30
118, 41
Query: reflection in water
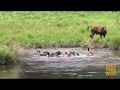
9, 71
83, 66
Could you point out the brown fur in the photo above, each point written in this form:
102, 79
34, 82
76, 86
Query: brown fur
98, 30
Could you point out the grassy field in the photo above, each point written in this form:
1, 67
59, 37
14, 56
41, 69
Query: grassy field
42, 29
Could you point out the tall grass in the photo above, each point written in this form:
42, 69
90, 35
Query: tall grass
8, 56
34, 29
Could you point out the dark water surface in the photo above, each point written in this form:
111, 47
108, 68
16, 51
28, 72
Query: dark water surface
33, 66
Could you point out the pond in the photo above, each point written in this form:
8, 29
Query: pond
34, 66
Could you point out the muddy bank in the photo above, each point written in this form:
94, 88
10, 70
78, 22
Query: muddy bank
98, 46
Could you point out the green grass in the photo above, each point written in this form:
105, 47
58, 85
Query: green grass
34, 29
8, 56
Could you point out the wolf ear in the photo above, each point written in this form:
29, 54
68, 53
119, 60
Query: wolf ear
104, 27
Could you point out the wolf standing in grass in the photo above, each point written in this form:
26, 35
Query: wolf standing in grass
98, 30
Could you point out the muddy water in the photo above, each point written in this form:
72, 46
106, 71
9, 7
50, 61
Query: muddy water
74, 67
